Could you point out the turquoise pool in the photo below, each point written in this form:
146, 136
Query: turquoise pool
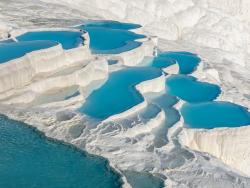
162, 62
13, 50
118, 94
112, 24
68, 39
111, 37
28, 159
190, 90
214, 114
187, 61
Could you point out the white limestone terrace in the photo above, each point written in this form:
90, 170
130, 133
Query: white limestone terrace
47, 80
128, 140
217, 31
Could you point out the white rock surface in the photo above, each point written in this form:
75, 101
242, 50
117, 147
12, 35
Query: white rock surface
217, 30
222, 25
231, 145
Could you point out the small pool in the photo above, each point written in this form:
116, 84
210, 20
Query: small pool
187, 61
162, 62
28, 159
214, 114
112, 24
190, 90
143, 180
13, 50
68, 39
111, 37
118, 94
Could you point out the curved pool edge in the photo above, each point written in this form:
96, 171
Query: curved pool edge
36, 129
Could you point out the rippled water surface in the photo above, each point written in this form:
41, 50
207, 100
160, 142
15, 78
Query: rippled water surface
28, 159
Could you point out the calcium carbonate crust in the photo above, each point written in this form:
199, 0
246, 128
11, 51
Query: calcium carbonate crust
217, 31
124, 139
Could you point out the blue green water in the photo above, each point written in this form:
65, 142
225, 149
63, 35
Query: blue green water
162, 62
112, 24
214, 114
13, 50
111, 37
199, 111
190, 90
118, 93
28, 159
187, 61
68, 39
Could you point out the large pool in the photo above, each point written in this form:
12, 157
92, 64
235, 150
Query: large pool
13, 50
111, 37
28, 159
190, 90
68, 39
214, 114
118, 93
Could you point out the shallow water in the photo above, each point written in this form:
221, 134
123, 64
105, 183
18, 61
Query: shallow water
68, 39
28, 159
118, 93
13, 50
7, 41
162, 62
187, 61
214, 114
113, 25
190, 90
143, 180
111, 37
166, 103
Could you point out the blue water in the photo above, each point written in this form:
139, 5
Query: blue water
214, 114
68, 39
28, 159
162, 62
190, 90
10, 51
113, 25
186, 60
118, 93
111, 37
